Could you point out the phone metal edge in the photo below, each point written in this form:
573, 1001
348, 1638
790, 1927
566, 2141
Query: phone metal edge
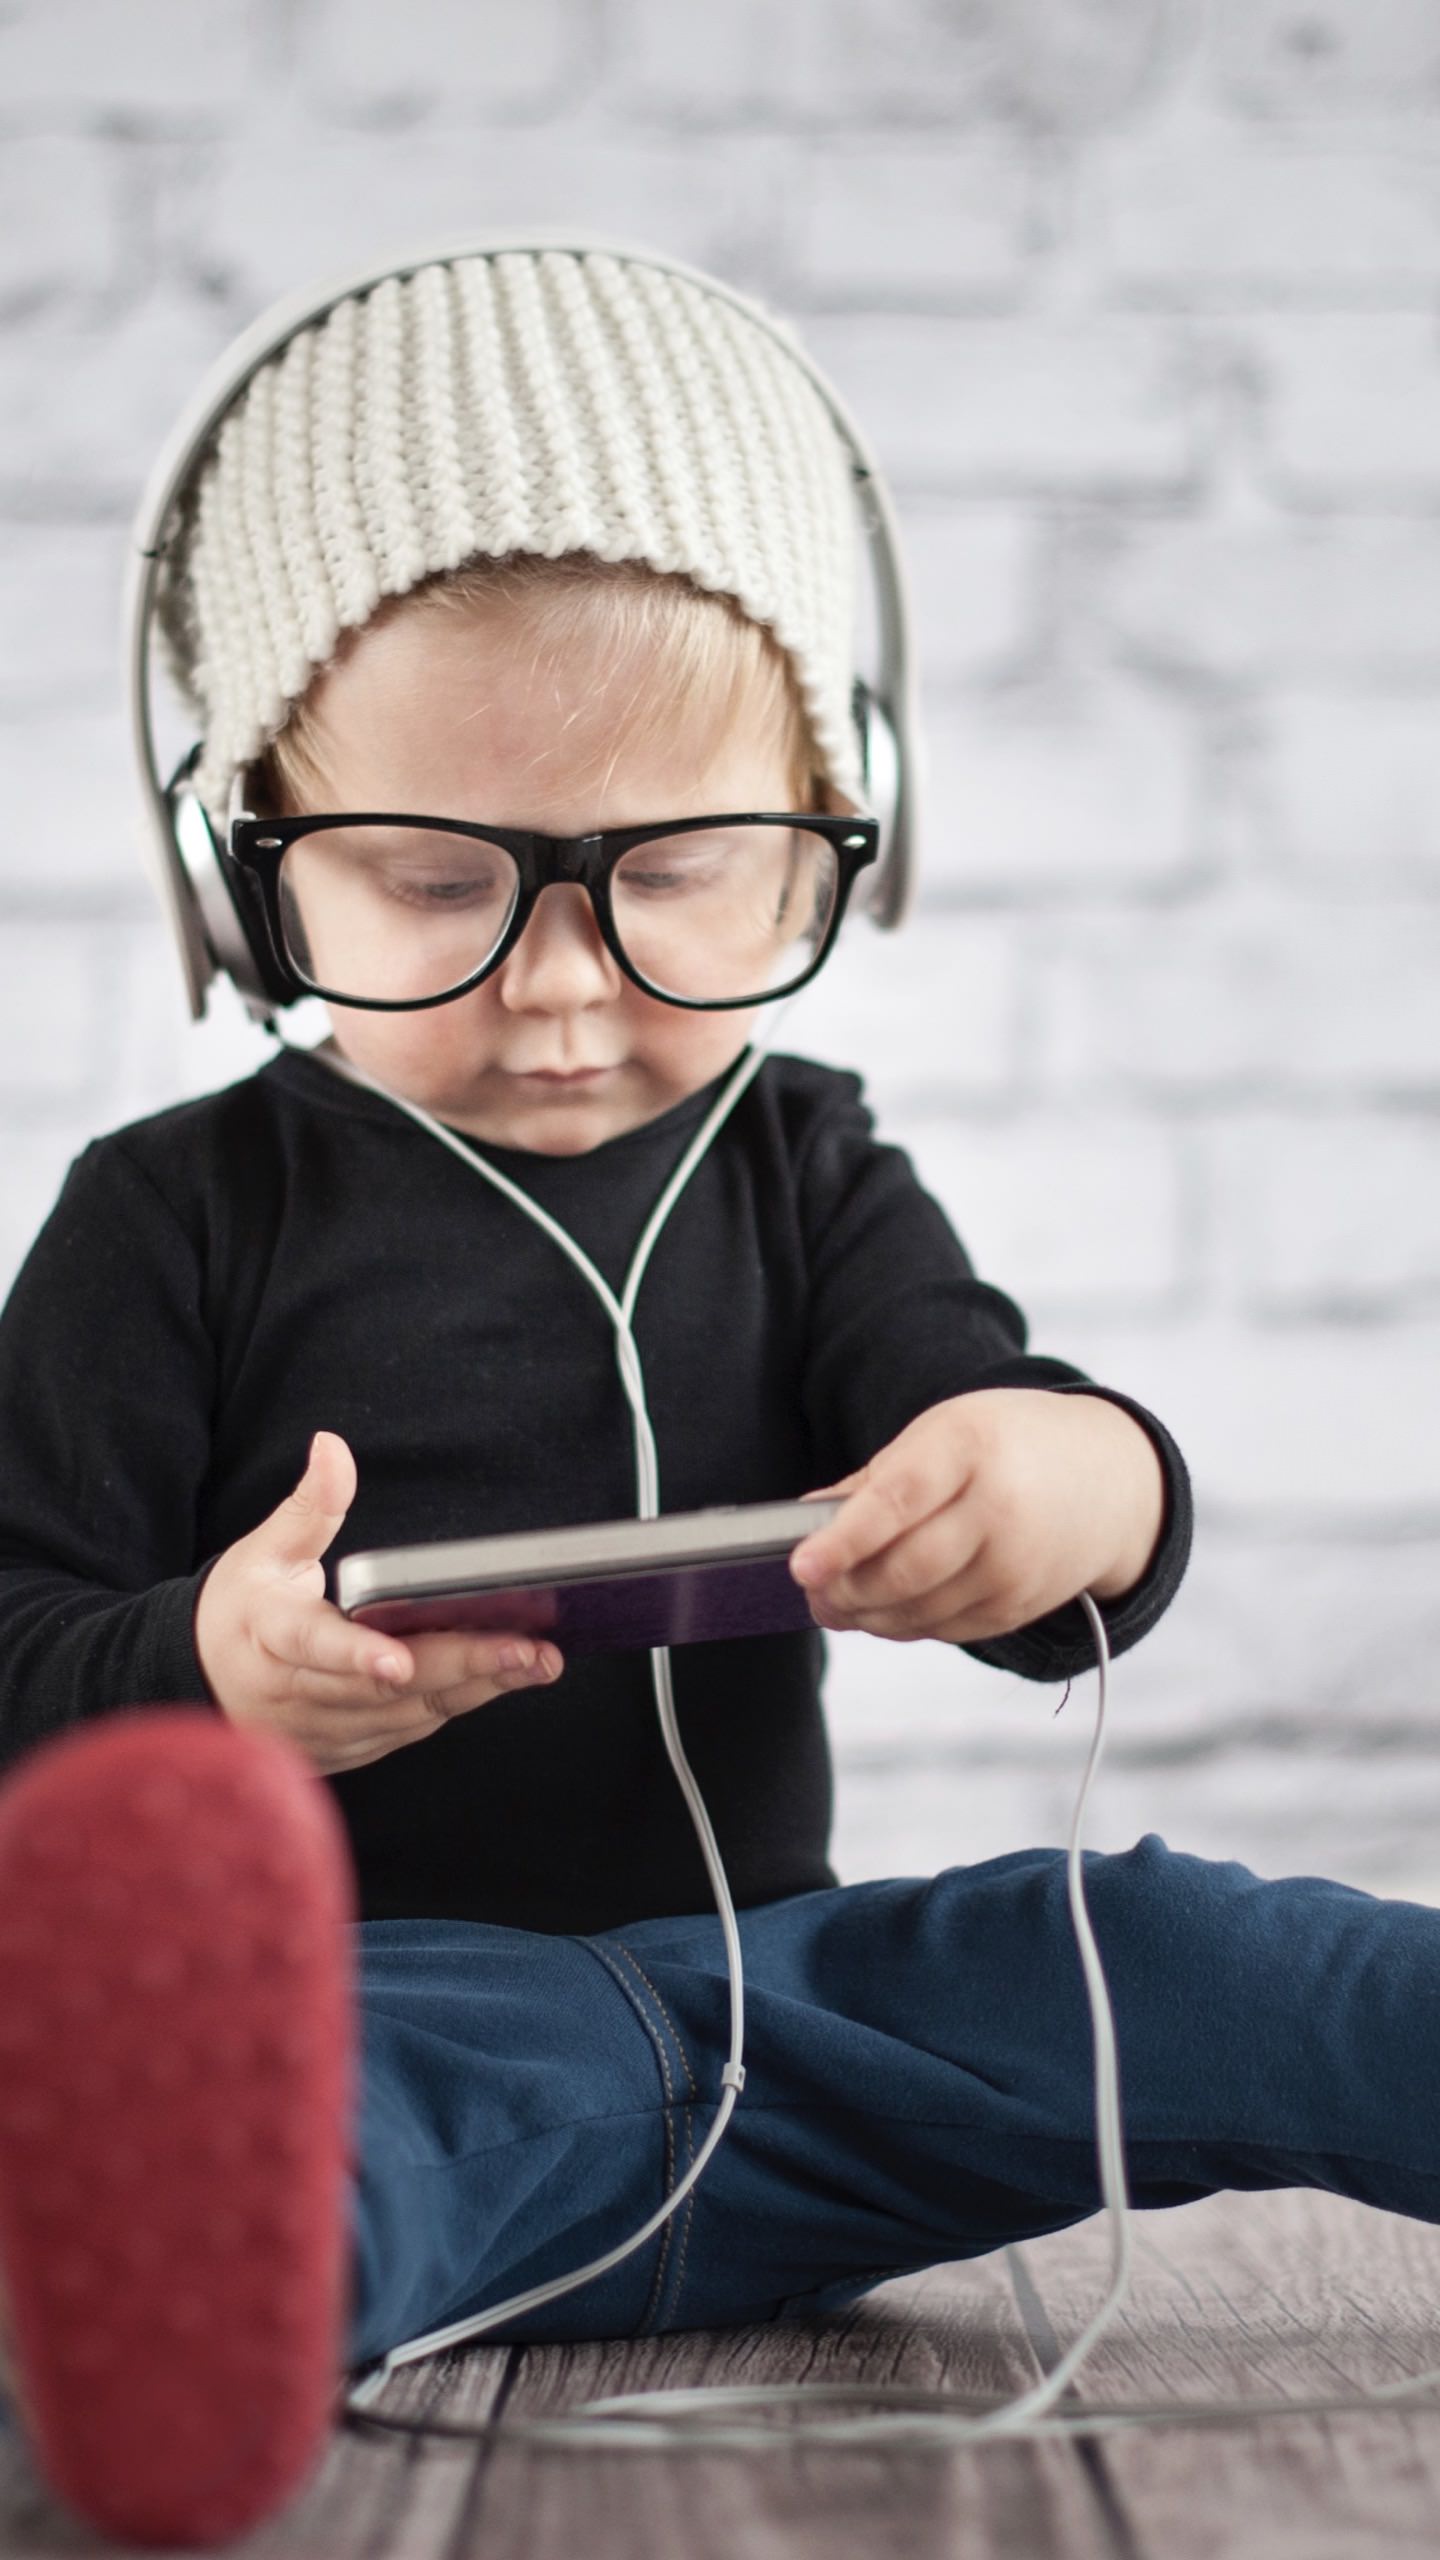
447, 1567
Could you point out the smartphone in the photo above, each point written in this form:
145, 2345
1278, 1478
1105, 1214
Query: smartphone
690, 1577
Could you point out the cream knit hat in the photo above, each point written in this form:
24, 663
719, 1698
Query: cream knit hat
527, 400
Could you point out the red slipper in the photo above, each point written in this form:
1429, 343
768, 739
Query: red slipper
176, 2059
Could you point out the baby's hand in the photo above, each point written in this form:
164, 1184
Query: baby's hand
984, 1513
276, 1652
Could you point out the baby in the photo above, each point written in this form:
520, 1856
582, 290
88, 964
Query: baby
981, 1516
282, 1322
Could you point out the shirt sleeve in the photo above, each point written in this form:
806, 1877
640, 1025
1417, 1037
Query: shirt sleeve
900, 1322
107, 1379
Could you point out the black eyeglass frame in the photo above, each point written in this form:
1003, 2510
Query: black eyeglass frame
258, 846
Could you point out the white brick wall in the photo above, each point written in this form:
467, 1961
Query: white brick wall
444, 57
1333, 58
1062, 780
1138, 306
1304, 1214
1246, 992
62, 225
59, 616
1352, 406
803, 64
80, 62
1355, 788
1244, 593
1090, 404
1192, 210
84, 405
916, 225
306, 202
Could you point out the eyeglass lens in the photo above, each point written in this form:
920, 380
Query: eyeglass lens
386, 914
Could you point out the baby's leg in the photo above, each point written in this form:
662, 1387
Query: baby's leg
920, 2084
520, 2115
920, 2065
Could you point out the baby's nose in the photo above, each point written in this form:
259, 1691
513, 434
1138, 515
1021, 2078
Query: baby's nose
560, 962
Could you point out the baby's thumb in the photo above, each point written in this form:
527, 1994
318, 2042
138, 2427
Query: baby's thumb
301, 1527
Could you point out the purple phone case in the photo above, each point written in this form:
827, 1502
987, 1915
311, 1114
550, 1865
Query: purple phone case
599, 1613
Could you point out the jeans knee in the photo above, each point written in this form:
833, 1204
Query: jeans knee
1192, 1927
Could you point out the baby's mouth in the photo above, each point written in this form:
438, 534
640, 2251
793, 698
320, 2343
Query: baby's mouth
560, 1077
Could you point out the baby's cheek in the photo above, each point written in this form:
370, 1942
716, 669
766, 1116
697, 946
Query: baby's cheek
418, 1054
683, 1051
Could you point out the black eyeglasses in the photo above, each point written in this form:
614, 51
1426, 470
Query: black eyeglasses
394, 913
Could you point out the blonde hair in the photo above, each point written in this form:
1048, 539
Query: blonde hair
688, 645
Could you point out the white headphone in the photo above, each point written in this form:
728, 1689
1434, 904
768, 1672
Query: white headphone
212, 933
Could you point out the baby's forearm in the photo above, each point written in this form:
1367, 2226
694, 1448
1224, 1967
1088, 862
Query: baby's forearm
71, 1649
1140, 1488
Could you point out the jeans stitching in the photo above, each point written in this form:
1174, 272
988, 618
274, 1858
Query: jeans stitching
664, 2012
657, 2042
679, 2290
687, 2218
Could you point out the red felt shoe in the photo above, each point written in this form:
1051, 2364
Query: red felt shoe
176, 2059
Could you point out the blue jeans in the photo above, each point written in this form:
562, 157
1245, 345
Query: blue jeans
920, 2084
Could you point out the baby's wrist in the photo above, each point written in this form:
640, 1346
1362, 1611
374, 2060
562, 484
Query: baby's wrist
1140, 1508
203, 1638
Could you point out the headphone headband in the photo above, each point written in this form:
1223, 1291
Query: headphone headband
895, 742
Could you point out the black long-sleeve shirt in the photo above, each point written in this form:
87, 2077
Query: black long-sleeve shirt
218, 1281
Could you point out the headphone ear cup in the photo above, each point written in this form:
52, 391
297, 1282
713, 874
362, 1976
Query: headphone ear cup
880, 770
233, 932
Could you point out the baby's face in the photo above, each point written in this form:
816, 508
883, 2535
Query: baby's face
441, 714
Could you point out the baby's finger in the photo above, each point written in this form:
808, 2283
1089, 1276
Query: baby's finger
947, 1617
432, 1707
312, 1635
984, 1600
367, 1733
827, 1492
906, 1575
903, 1486
446, 1657
301, 1527
508, 1663
906, 1623
428, 1666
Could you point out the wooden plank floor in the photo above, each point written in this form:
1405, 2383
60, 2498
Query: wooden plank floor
1237, 2296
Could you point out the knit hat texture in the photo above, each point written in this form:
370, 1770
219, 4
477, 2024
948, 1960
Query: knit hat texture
540, 401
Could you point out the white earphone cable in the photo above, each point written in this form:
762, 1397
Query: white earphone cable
621, 1312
